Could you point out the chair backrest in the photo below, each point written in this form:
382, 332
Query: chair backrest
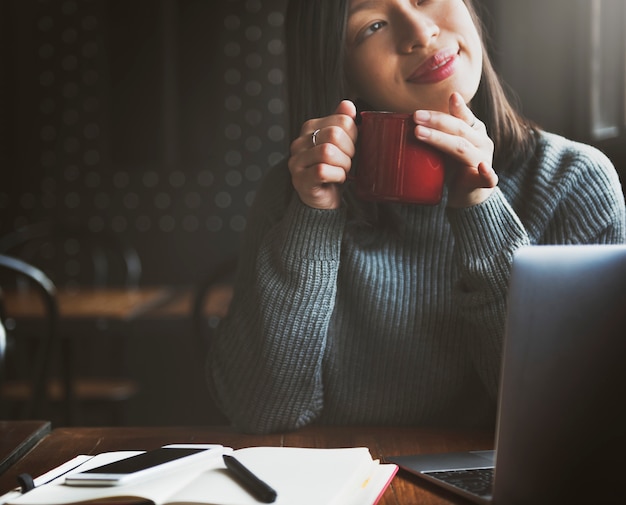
73, 255
13, 273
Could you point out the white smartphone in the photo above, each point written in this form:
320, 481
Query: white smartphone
143, 465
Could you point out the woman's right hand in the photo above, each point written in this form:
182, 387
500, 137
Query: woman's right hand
319, 169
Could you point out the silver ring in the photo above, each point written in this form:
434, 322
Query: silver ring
314, 137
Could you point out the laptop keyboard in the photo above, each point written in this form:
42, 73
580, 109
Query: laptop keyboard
477, 481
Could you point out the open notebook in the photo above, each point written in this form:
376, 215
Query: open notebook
561, 434
300, 476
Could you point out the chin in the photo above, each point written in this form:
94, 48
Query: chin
439, 102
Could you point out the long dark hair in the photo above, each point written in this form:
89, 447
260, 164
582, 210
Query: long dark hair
513, 135
314, 36
315, 33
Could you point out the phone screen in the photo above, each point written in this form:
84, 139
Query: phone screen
143, 461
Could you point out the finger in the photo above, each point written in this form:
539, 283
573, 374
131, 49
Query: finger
450, 124
344, 116
338, 137
326, 136
482, 177
459, 109
321, 174
315, 161
346, 107
317, 186
337, 129
488, 176
454, 144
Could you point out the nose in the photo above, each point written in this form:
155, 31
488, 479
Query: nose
416, 30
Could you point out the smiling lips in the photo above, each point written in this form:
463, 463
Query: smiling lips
436, 68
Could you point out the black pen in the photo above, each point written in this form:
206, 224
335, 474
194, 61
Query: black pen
259, 489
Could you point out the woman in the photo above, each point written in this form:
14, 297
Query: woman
353, 313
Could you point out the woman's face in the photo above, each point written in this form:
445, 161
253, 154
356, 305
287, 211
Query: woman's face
403, 55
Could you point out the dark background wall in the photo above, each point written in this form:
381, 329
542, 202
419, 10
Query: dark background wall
152, 118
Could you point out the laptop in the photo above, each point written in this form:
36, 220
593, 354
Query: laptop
561, 428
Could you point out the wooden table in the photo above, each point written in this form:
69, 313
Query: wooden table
65, 443
181, 306
91, 303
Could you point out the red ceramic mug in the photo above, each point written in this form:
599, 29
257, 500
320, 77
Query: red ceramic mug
392, 165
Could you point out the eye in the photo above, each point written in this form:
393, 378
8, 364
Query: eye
371, 29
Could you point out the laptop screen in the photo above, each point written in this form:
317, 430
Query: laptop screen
562, 407
562, 414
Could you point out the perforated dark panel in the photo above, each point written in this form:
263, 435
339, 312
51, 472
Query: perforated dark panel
153, 119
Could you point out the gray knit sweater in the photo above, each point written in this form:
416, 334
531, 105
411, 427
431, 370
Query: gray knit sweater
406, 329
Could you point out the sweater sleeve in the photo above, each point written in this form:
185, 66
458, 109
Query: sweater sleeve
265, 364
486, 237
569, 193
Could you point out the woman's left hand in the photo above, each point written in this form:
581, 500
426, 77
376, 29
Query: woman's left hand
464, 138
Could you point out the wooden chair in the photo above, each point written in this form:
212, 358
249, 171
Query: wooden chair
25, 362
73, 256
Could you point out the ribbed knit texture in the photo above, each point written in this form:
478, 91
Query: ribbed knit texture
406, 329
